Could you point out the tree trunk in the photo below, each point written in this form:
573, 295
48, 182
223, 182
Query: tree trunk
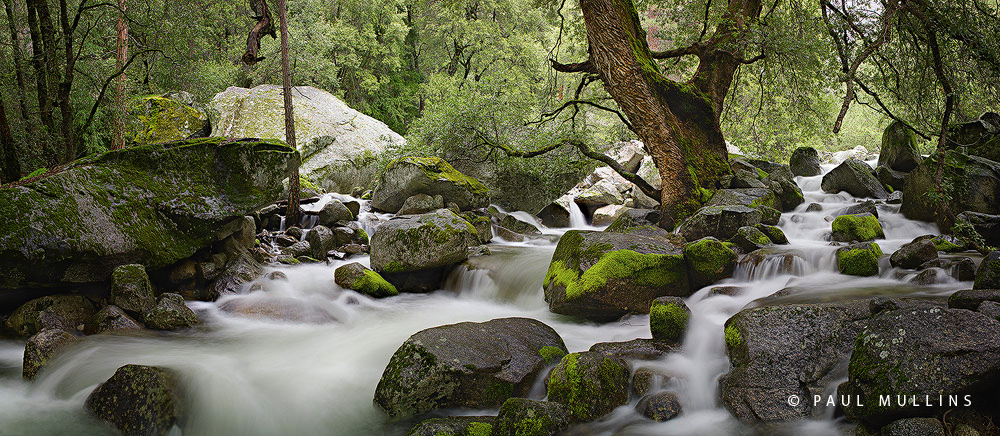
66, 86
22, 91
118, 142
678, 122
292, 213
10, 165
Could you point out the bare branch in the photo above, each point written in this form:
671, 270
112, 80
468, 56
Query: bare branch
552, 114
107, 82
579, 67
694, 49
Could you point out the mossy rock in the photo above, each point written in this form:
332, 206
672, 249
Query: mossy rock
356, 277
466, 365
769, 215
111, 319
139, 400
151, 205
661, 406
604, 275
131, 289
750, 197
633, 218
721, 222
42, 347
157, 119
988, 274
930, 351
708, 261
454, 426
774, 233
432, 176
750, 239
170, 313
787, 192
482, 224
524, 417
804, 162
859, 259
857, 228
914, 254
590, 384
973, 182
856, 178
412, 243
65, 311
899, 150
668, 319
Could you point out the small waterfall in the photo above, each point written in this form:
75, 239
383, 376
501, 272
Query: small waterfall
576, 217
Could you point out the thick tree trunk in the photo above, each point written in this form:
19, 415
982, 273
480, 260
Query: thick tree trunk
678, 122
22, 90
66, 86
292, 213
10, 165
118, 142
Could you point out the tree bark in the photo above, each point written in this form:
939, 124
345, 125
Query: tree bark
292, 213
678, 122
11, 167
22, 90
118, 141
66, 86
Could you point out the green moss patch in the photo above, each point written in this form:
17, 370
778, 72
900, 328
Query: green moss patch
861, 227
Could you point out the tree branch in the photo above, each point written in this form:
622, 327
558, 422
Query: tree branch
579, 67
552, 114
694, 49
107, 82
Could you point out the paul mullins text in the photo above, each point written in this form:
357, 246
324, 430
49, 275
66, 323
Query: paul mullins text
895, 400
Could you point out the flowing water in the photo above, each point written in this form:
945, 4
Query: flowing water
246, 376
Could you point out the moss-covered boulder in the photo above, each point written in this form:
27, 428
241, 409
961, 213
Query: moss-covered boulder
914, 254
856, 178
421, 203
334, 212
66, 312
787, 192
111, 319
750, 197
356, 277
721, 222
973, 185
988, 274
139, 400
668, 319
432, 176
470, 365
152, 205
604, 275
988, 226
708, 261
339, 145
454, 426
632, 218
749, 239
774, 233
779, 351
899, 148
42, 347
804, 162
428, 243
921, 351
524, 417
857, 228
164, 118
170, 313
131, 290
590, 384
859, 259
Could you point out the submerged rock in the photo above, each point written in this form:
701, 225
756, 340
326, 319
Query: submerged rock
604, 275
804, 162
918, 352
432, 176
275, 308
454, 426
590, 384
662, 406
42, 347
64, 311
856, 178
469, 365
138, 400
356, 277
524, 417
152, 205
914, 254
338, 143
780, 351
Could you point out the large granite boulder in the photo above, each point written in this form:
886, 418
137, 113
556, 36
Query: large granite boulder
861, 227
804, 162
979, 137
974, 182
432, 176
151, 205
899, 148
856, 178
469, 365
590, 384
524, 417
169, 117
414, 243
709, 260
338, 144
64, 311
780, 351
604, 275
921, 352
722, 222
139, 400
